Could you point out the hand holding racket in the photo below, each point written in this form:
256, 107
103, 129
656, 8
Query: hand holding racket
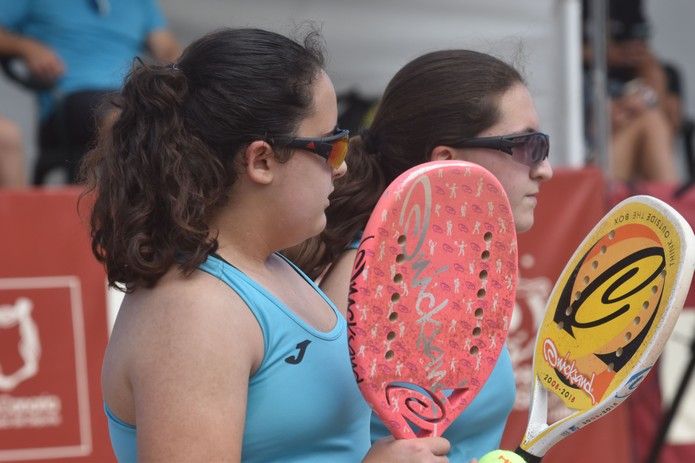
431, 295
607, 319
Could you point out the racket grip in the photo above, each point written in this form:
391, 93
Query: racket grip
527, 456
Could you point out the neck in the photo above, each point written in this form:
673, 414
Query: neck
247, 236
249, 229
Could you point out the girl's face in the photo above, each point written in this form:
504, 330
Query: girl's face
521, 182
307, 178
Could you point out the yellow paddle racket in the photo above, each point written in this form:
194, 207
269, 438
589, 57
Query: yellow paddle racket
607, 319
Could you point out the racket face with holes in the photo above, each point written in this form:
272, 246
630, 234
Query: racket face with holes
431, 295
610, 314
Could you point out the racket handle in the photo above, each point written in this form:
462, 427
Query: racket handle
527, 456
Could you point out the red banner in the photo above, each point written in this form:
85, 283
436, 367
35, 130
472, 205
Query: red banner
53, 332
53, 329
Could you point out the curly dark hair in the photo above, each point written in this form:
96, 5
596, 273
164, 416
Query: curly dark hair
166, 165
435, 99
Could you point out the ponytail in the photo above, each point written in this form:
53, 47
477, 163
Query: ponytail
174, 190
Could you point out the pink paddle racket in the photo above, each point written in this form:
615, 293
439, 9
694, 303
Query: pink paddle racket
431, 295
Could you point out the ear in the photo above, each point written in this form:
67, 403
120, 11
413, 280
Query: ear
442, 153
259, 159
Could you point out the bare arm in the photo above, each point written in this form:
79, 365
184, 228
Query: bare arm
163, 46
190, 361
41, 60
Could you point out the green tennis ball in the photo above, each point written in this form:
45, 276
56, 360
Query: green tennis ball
501, 456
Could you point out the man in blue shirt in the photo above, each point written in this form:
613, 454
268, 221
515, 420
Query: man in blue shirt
80, 50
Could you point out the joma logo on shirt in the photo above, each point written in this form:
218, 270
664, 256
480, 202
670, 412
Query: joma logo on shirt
295, 359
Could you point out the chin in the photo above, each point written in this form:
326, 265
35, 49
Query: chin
523, 224
320, 225
309, 228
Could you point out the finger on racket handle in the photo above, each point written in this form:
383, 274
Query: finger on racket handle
608, 317
431, 295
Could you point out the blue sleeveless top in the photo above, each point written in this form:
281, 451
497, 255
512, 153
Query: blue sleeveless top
303, 402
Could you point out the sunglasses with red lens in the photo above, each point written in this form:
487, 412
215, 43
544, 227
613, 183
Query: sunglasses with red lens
527, 148
332, 148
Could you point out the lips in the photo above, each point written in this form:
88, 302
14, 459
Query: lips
532, 198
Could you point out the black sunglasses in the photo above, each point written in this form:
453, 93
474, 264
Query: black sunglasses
528, 148
332, 148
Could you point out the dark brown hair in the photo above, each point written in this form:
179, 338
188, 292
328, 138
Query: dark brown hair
433, 100
166, 165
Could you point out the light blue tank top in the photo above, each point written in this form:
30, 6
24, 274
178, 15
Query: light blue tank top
303, 403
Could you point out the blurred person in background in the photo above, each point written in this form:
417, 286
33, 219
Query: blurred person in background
12, 171
76, 52
645, 108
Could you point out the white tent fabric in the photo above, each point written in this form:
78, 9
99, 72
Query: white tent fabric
368, 41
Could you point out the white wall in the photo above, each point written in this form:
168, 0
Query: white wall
369, 40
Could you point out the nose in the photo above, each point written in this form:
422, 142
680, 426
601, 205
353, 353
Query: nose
340, 171
542, 172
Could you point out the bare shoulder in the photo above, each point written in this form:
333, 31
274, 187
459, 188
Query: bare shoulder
336, 284
182, 353
182, 316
